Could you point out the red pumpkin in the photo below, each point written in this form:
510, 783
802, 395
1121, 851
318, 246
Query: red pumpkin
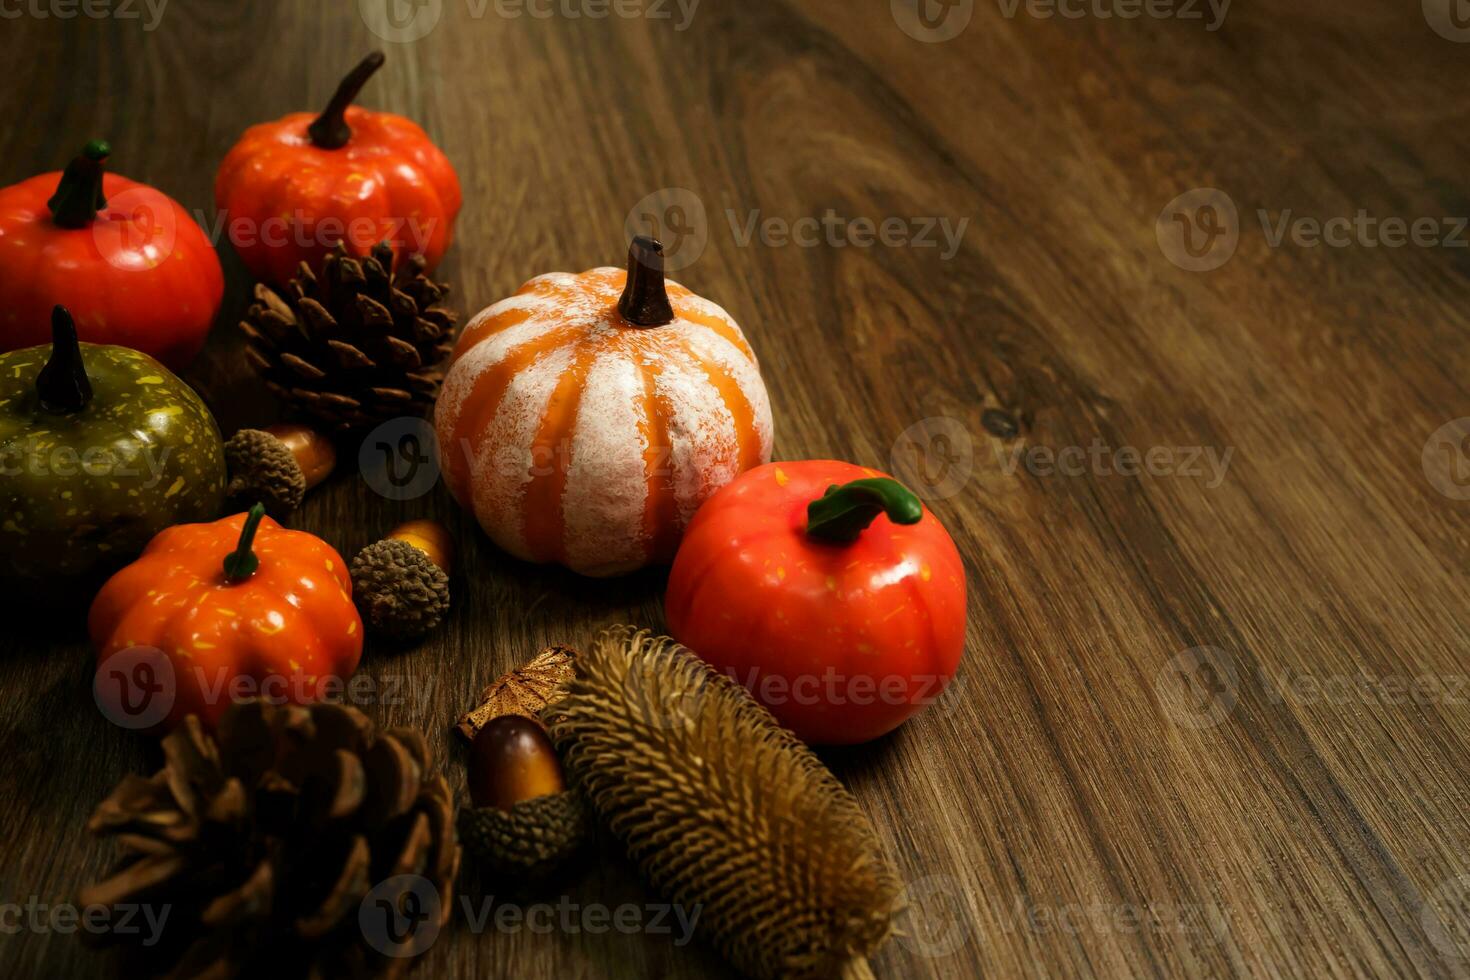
828, 591
238, 608
290, 190
128, 261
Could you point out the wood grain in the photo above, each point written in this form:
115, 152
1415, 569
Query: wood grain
1091, 799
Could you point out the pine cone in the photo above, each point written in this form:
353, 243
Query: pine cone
264, 841
356, 346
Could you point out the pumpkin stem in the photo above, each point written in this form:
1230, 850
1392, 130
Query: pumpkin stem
78, 195
241, 563
842, 513
645, 301
62, 385
330, 131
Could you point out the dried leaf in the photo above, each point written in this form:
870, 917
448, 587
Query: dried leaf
523, 691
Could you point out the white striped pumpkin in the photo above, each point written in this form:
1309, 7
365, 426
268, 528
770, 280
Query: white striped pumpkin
577, 436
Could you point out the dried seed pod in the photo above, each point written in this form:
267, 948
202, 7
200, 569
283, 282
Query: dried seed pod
724, 810
401, 584
524, 822
524, 691
277, 465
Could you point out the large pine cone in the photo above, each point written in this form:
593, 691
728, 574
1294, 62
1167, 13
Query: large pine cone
355, 346
273, 844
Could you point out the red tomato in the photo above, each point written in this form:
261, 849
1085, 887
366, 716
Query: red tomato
841, 639
290, 190
137, 271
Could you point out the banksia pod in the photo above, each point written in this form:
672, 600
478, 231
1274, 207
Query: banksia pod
724, 810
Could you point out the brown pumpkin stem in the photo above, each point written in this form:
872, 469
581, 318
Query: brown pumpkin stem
330, 131
645, 301
241, 563
79, 195
62, 385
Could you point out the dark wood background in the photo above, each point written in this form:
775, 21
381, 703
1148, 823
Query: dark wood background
1078, 805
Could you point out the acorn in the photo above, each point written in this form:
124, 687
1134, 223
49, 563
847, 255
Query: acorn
277, 465
401, 583
523, 822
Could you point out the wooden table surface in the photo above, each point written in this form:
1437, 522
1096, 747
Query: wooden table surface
1212, 717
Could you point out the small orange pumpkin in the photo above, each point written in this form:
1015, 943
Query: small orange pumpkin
586, 418
241, 599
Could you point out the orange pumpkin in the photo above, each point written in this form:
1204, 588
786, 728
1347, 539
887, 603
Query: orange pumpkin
238, 608
586, 418
292, 189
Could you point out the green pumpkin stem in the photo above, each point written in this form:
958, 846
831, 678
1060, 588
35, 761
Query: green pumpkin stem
63, 385
78, 195
843, 513
645, 300
330, 131
241, 563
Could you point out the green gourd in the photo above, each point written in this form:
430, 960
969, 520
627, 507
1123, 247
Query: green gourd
100, 449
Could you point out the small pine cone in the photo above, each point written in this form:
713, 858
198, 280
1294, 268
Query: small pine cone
401, 591
356, 346
265, 840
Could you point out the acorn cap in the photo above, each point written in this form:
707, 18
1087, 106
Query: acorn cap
263, 468
533, 840
400, 591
